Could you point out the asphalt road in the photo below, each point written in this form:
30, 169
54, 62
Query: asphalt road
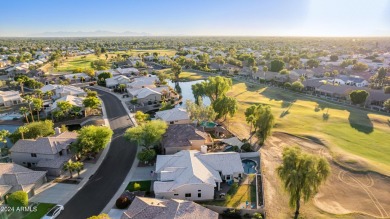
103, 185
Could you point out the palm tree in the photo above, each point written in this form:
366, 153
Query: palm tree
38, 93
302, 174
49, 94
38, 105
78, 166
122, 87
21, 82
82, 79
3, 136
69, 167
22, 130
30, 101
23, 110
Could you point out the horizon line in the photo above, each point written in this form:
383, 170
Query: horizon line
151, 36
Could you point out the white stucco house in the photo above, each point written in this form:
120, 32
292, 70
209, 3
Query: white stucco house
174, 116
9, 98
63, 90
194, 175
115, 81
44, 153
350, 80
73, 100
144, 95
141, 82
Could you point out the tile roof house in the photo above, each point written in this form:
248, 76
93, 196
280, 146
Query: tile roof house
144, 95
152, 208
76, 77
73, 100
194, 175
184, 137
63, 90
350, 80
116, 80
142, 82
174, 116
44, 153
9, 98
14, 177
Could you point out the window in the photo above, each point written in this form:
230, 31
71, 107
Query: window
188, 195
60, 153
228, 177
199, 195
199, 190
33, 155
171, 122
175, 194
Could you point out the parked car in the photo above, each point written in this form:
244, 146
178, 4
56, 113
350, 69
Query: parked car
54, 212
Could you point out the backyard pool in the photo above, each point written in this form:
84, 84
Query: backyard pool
250, 166
11, 116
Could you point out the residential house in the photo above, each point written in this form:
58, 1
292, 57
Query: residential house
44, 153
128, 71
350, 80
9, 98
115, 81
141, 82
184, 137
194, 175
76, 77
63, 90
174, 116
112, 71
14, 177
145, 95
73, 100
152, 208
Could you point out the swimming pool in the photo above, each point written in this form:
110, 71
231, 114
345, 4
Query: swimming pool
250, 166
10, 116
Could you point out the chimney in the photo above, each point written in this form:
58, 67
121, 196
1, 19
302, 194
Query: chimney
203, 149
57, 130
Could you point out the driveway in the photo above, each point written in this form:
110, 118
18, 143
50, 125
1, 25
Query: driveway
102, 186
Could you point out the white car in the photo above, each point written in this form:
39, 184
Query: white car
54, 212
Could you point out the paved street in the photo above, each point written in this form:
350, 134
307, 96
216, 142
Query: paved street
102, 186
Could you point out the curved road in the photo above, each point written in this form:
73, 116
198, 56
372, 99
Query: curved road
98, 191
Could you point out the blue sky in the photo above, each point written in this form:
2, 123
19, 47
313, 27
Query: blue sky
201, 17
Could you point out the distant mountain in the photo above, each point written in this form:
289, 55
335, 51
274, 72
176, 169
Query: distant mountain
98, 33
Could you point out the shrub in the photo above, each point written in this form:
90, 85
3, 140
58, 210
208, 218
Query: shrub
232, 213
257, 216
137, 187
297, 86
146, 155
287, 85
122, 202
387, 90
35, 129
18, 199
246, 147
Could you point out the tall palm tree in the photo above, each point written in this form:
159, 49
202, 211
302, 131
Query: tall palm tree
49, 94
23, 110
38, 93
78, 166
29, 100
69, 167
302, 174
22, 130
38, 105
21, 82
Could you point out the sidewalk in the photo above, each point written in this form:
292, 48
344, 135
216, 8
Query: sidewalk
61, 193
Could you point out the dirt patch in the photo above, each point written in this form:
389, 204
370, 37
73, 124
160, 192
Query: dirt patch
344, 193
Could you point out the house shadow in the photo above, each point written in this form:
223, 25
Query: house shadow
361, 122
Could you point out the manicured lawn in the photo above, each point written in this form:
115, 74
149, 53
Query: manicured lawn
145, 186
351, 134
188, 75
161, 52
78, 62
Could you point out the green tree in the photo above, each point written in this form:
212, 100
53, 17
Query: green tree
387, 90
92, 139
37, 105
22, 130
141, 117
69, 166
122, 87
21, 82
213, 88
78, 167
302, 174
103, 76
313, 63
225, 105
297, 86
35, 129
333, 58
358, 96
386, 104
360, 66
176, 69
29, 100
265, 68
277, 65
294, 64
261, 119
64, 107
100, 216
284, 72
199, 112
147, 133
251, 62
3, 136
18, 199
91, 102
146, 155
23, 110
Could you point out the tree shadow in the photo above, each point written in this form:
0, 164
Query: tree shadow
360, 121
319, 107
325, 116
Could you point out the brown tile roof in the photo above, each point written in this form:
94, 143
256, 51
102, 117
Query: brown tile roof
179, 135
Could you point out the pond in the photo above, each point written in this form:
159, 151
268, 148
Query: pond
11, 129
250, 166
186, 92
